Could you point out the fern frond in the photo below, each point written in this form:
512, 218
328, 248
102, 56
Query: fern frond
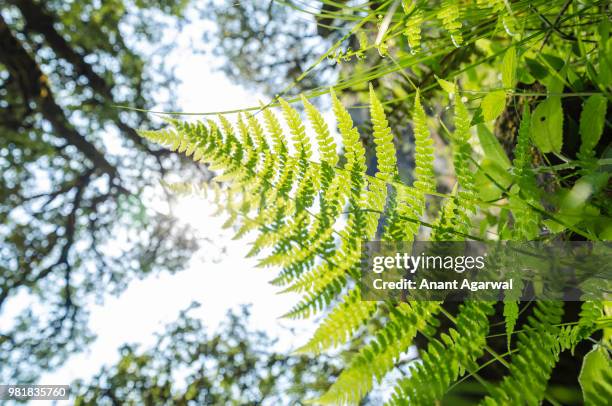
591, 313
447, 358
297, 207
413, 24
327, 146
383, 138
285, 163
466, 195
450, 15
350, 136
293, 231
298, 132
267, 165
534, 361
249, 146
444, 228
409, 203
425, 179
275, 227
511, 313
526, 220
341, 322
327, 281
455, 219
495, 5
377, 358
233, 147
356, 223
331, 202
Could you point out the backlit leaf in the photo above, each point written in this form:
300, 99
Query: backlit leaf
547, 125
493, 104
509, 68
592, 121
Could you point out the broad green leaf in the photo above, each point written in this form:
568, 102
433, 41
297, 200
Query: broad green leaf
509, 64
523, 75
536, 69
592, 121
477, 117
595, 366
491, 147
447, 86
553, 226
547, 125
552, 61
574, 206
488, 177
605, 48
605, 66
493, 104
555, 82
606, 230
577, 195
574, 80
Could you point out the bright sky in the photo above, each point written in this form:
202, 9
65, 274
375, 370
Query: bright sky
220, 281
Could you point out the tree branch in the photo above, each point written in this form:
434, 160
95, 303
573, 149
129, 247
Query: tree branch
38, 20
35, 87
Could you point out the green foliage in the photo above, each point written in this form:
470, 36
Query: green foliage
596, 377
446, 358
466, 195
425, 180
379, 356
383, 138
525, 217
508, 68
519, 180
592, 120
532, 365
450, 15
493, 105
321, 261
414, 23
409, 203
547, 125
65, 66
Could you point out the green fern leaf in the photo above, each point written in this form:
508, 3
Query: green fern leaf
413, 26
342, 321
511, 313
446, 359
527, 220
536, 357
376, 359
450, 15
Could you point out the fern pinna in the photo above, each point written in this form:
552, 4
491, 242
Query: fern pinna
311, 216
